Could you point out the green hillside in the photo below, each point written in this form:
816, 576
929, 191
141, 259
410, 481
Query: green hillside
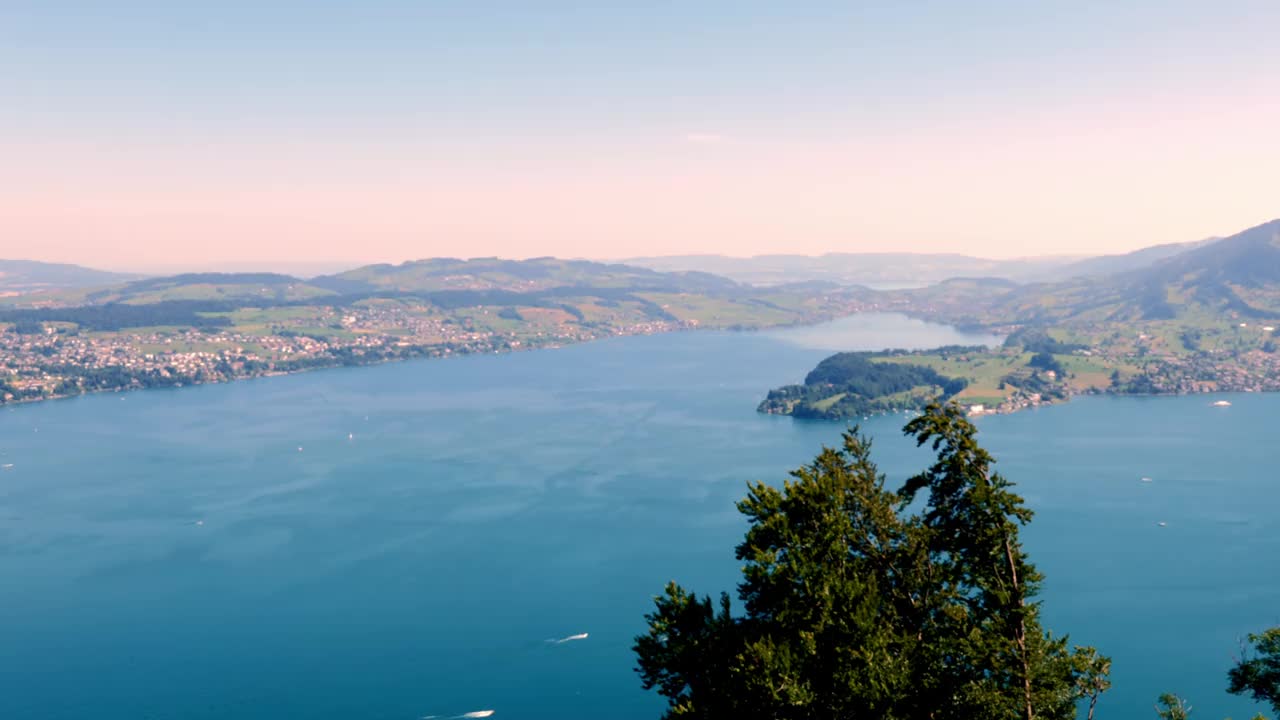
1235, 278
1238, 276
851, 384
513, 275
249, 287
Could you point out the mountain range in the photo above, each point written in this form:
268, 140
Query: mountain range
876, 270
1237, 275
440, 276
899, 270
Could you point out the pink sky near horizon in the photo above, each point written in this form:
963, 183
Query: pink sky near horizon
1078, 178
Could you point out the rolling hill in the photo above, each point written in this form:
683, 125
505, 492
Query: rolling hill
209, 286
586, 291
536, 274
439, 278
27, 276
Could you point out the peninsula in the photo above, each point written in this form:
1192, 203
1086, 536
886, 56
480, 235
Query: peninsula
1202, 320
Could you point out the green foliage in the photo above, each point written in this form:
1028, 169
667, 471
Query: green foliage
1038, 340
1045, 361
1258, 672
687, 652
855, 607
286, 333
987, 584
1172, 707
117, 316
851, 384
859, 374
1092, 674
28, 327
576, 312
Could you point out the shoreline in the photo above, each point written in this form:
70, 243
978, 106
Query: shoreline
337, 365
504, 346
986, 412
412, 353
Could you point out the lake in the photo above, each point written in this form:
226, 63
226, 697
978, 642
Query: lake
403, 540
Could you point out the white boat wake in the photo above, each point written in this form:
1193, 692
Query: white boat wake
570, 638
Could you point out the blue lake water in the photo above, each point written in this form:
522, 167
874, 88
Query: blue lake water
402, 540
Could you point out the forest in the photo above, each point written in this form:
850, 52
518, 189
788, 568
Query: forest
852, 384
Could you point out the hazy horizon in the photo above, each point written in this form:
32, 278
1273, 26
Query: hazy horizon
309, 268
305, 268
151, 136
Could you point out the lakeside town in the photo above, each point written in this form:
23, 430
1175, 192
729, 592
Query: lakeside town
69, 350
59, 361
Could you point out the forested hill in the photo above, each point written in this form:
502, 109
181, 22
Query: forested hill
850, 384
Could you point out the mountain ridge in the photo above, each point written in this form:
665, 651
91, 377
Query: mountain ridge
26, 276
1238, 274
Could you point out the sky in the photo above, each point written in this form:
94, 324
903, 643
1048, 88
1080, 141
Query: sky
166, 135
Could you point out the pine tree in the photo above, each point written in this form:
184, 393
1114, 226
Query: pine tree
1258, 672
1172, 707
854, 607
